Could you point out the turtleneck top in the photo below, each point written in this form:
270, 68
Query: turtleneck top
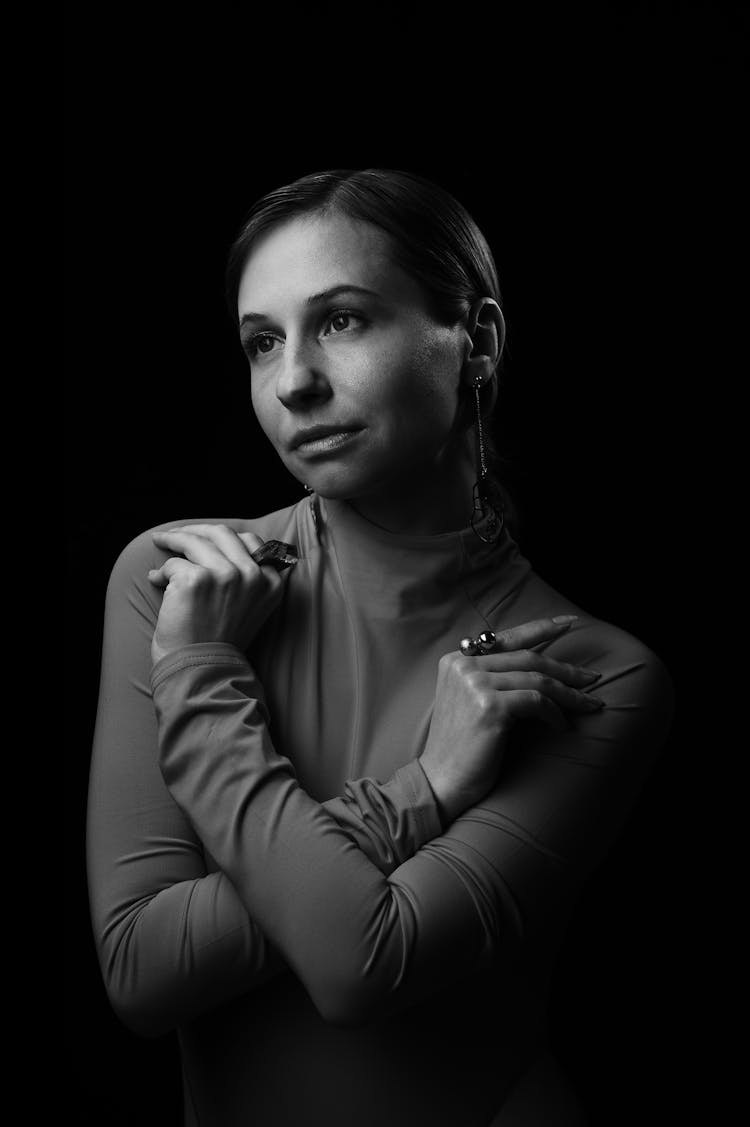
268, 870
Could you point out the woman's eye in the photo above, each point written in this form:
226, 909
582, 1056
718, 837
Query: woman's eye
341, 320
261, 344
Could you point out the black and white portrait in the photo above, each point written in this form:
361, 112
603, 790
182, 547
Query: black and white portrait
378, 567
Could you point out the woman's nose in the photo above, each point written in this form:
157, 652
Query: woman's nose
301, 374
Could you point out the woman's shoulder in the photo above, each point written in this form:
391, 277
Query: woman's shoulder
620, 656
140, 553
590, 638
635, 678
611, 645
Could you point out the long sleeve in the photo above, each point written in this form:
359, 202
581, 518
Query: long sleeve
174, 938
364, 943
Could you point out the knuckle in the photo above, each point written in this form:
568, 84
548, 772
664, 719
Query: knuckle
484, 700
539, 682
277, 584
226, 576
191, 577
267, 575
474, 680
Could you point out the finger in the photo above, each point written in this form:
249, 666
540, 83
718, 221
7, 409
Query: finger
272, 575
195, 548
532, 661
562, 695
162, 576
529, 634
529, 705
233, 544
251, 541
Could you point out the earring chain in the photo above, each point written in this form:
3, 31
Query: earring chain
480, 435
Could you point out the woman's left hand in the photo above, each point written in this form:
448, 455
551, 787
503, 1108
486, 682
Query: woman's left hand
216, 593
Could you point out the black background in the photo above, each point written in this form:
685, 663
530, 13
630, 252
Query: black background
597, 155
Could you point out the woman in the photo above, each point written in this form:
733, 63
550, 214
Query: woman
340, 808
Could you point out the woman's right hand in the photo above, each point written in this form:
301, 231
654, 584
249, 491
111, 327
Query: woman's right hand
478, 700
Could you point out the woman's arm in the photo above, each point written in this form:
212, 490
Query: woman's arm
174, 939
361, 943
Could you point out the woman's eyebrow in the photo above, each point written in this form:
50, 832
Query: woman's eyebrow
314, 299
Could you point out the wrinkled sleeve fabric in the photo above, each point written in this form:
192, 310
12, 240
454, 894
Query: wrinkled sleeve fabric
174, 938
365, 943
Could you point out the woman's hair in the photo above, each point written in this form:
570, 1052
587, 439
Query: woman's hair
432, 237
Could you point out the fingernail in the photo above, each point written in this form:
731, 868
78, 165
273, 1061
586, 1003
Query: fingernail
561, 618
592, 674
597, 702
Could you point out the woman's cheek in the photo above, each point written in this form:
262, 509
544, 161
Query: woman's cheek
380, 375
265, 405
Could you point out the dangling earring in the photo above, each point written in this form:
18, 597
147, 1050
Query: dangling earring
307, 488
488, 505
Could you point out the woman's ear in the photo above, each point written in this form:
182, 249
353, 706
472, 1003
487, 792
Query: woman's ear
485, 333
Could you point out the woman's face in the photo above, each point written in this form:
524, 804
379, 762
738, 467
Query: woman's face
341, 344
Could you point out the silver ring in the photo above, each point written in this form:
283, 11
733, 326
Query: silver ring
483, 644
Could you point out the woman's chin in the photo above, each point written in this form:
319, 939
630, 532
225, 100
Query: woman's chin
336, 486
332, 491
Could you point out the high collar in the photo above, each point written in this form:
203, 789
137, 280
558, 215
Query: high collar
406, 573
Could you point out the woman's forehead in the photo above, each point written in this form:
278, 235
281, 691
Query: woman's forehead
314, 253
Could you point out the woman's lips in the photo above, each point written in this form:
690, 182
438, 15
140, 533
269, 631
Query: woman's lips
327, 442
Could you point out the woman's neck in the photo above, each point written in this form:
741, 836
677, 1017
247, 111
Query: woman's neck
438, 500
